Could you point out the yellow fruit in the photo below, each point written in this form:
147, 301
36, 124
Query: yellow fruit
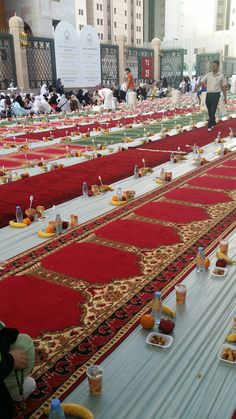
14, 224
231, 337
44, 234
72, 409
168, 310
221, 255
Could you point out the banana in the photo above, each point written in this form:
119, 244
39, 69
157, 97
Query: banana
168, 310
231, 337
45, 235
221, 255
14, 224
76, 410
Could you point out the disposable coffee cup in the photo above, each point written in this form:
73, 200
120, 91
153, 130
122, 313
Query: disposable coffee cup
95, 374
224, 246
180, 293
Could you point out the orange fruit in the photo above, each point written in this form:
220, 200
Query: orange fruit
49, 229
27, 221
114, 198
207, 263
147, 321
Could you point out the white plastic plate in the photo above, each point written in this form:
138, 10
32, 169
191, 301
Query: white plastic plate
224, 270
225, 346
168, 340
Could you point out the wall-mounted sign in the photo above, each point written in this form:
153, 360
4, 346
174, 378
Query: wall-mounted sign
67, 54
89, 57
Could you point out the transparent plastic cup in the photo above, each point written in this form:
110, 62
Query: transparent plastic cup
180, 293
95, 374
224, 246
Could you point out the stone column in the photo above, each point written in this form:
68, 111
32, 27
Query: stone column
16, 26
156, 46
121, 41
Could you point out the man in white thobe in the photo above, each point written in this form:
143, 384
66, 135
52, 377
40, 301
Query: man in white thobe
108, 98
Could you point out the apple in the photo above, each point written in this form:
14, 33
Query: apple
166, 325
221, 263
64, 225
24, 175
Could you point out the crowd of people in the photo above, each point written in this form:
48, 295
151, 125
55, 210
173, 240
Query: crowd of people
52, 99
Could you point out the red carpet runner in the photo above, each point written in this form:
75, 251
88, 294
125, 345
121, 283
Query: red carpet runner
83, 292
58, 186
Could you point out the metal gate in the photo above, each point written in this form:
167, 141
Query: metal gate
203, 63
109, 64
7, 61
229, 66
171, 66
41, 62
141, 63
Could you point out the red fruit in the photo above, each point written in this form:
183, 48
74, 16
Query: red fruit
24, 175
90, 192
166, 325
64, 225
221, 263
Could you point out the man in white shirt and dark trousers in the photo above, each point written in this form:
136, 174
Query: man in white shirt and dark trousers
215, 84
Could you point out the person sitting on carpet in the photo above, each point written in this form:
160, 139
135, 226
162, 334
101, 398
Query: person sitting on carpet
17, 109
107, 95
74, 104
63, 104
17, 355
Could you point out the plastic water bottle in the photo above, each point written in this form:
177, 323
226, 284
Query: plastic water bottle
157, 306
119, 194
58, 224
9, 179
85, 190
222, 150
19, 214
162, 174
172, 158
56, 411
200, 260
136, 172
198, 160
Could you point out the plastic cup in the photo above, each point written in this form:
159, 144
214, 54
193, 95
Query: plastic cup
224, 245
180, 292
95, 374
95, 189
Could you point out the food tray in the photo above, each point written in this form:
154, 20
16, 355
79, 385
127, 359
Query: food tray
168, 340
222, 349
224, 272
